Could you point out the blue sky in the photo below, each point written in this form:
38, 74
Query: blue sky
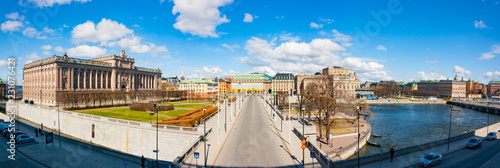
383, 40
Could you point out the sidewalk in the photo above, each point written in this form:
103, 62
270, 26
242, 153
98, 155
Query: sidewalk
68, 155
413, 158
293, 143
214, 143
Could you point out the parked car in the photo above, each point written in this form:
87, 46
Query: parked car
491, 136
474, 143
4, 125
24, 138
15, 133
3, 130
430, 159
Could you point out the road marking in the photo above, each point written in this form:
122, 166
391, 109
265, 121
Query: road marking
288, 150
224, 143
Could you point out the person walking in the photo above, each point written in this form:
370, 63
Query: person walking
392, 153
143, 160
36, 132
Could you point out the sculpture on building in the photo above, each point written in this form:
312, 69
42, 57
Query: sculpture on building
123, 53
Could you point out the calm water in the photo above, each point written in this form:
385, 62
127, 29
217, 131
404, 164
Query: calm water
407, 125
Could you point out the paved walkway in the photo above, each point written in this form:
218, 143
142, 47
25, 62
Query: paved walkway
414, 158
67, 156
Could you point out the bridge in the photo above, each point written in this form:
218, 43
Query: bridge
487, 107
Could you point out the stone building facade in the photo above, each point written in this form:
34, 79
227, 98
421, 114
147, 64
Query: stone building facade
251, 83
342, 80
200, 88
283, 82
44, 79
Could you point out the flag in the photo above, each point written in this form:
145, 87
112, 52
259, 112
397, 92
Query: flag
103, 46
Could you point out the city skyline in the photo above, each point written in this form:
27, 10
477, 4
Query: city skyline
405, 40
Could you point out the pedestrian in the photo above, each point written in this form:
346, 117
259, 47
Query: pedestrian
143, 160
36, 132
392, 153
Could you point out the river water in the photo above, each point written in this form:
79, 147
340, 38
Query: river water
406, 125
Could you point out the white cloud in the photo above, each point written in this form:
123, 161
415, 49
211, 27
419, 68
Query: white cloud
143, 63
288, 37
30, 32
46, 53
136, 26
134, 44
33, 56
104, 31
327, 21
495, 74
199, 18
461, 71
431, 76
3, 63
495, 50
66, 26
338, 36
87, 51
431, 61
381, 47
248, 18
58, 49
479, 24
161, 1
307, 57
11, 26
46, 47
50, 3
34, 33
14, 16
211, 70
231, 47
315, 26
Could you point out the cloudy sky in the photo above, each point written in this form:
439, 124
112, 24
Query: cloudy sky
384, 40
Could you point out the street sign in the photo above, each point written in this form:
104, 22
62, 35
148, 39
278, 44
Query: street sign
155, 151
313, 155
196, 155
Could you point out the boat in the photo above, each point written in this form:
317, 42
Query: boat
374, 143
376, 135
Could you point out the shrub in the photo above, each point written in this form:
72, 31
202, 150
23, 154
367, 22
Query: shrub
190, 118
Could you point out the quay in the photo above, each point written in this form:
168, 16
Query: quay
487, 107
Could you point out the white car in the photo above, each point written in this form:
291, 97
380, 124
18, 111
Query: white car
24, 138
491, 136
430, 159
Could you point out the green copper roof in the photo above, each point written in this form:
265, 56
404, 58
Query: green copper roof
1, 81
495, 81
283, 76
251, 76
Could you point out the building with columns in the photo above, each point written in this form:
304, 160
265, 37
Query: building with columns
44, 79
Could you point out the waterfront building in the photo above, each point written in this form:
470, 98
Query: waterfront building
200, 88
283, 82
3, 88
365, 93
44, 79
340, 78
254, 82
229, 84
428, 85
452, 89
473, 89
494, 89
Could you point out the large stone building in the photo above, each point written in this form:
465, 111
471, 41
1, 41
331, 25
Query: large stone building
494, 89
44, 79
452, 89
224, 85
344, 82
283, 82
255, 82
199, 88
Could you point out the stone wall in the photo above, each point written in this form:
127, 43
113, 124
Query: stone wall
132, 137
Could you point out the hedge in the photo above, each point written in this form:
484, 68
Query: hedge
189, 119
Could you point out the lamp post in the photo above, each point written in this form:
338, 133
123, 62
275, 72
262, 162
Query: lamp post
59, 123
449, 129
303, 133
225, 113
358, 109
204, 134
154, 106
488, 124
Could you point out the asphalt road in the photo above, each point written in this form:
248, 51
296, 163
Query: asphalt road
253, 141
21, 159
473, 158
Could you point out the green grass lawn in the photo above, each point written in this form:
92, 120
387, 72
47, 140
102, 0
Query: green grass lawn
122, 113
174, 113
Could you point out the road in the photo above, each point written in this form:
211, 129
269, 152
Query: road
473, 158
21, 159
254, 141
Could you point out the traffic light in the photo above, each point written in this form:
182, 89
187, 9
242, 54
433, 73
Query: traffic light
303, 144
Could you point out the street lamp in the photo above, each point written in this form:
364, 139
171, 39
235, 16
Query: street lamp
358, 109
449, 129
302, 110
488, 124
59, 123
205, 133
154, 106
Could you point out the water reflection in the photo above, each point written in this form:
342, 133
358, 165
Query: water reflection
406, 125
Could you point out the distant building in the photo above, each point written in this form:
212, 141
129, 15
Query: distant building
283, 82
340, 78
249, 83
3, 88
44, 79
452, 89
201, 88
473, 89
170, 83
224, 85
365, 93
494, 89
428, 85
